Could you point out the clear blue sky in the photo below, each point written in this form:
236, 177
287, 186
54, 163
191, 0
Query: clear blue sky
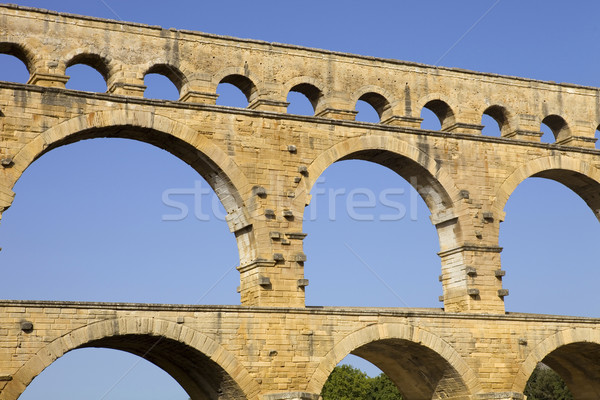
87, 220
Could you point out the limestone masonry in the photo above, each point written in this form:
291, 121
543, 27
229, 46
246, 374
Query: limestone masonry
262, 163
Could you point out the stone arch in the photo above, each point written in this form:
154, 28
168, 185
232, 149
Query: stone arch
171, 72
378, 98
505, 119
441, 106
558, 125
198, 363
579, 176
568, 352
382, 344
96, 61
21, 52
219, 169
241, 78
432, 182
310, 87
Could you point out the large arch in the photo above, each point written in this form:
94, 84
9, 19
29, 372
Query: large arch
219, 170
431, 181
394, 348
578, 175
574, 354
199, 364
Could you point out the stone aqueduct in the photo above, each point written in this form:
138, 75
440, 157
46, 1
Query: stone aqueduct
262, 163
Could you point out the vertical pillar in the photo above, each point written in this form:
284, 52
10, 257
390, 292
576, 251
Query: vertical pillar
471, 275
273, 275
336, 106
528, 128
472, 280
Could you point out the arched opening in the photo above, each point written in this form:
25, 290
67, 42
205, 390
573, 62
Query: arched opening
120, 220
236, 91
416, 370
103, 373
442, 111
201, 367
86, 78
366, 112
88, 72
14, 63
163, 82
430, 121
554, 128
494, 121
370, 107
597, 136
377, 226
550, 238
304, 99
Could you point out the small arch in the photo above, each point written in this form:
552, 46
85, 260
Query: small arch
202, 366
499, 115
20, 52
442, 111
172, 74
557, 126
311, 92
597, 137
429, 120
379, 102
390, 347
366, 112
85, 78
95, 61
243, 83
574, 354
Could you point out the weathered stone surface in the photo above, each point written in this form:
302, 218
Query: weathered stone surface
262, 163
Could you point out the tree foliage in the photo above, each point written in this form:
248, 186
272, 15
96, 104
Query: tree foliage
545, 384
349, 383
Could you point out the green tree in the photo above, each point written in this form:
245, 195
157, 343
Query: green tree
346, 383
545, 384
349, 383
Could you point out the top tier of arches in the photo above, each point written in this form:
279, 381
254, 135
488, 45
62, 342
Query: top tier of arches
266, 73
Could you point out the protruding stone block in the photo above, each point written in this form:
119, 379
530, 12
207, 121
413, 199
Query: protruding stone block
259, 191
264, 281
300, 257
302, 283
